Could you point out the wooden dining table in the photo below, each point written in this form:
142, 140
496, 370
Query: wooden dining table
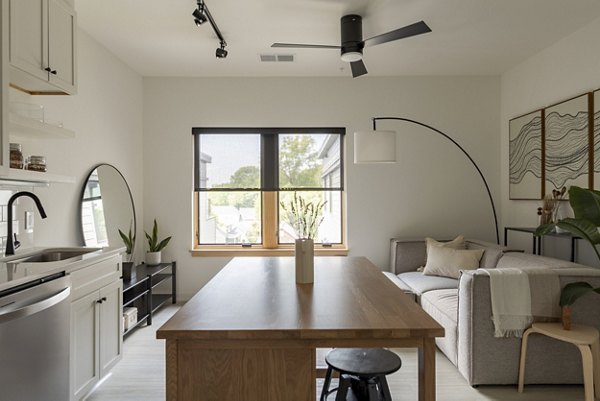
251, 333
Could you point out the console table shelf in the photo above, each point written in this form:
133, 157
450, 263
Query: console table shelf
139, 291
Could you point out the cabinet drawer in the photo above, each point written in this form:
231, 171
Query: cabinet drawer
92, 278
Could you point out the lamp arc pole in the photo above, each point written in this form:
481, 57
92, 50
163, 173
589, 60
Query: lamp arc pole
487, 187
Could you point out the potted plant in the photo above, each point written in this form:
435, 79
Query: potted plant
129, 241
586, 223
305, 218
155, 247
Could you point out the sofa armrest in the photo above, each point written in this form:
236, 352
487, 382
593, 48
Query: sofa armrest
485, 359
406, 255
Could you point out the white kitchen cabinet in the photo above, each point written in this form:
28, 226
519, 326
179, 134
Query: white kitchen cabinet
42, 51
96, 324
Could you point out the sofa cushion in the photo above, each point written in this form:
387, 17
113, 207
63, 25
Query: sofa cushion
403, 286
442, 305
448, 262
420, 283
491, 253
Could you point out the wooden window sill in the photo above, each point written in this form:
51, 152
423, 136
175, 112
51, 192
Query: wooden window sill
224, 251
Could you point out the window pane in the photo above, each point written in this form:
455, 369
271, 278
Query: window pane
309, 160
230, 217
229, 161
330, 230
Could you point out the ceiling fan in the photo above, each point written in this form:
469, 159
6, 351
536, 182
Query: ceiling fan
353, 43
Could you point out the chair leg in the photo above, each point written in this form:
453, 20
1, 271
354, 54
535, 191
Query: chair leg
373, 394
342, 391
596, 356
588, 371
326, 384
384, 389
523, 358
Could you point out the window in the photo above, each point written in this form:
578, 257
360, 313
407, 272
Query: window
243, 175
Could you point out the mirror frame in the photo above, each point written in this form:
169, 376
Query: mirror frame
82, 192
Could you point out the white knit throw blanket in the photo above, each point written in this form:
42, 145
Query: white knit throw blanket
511, 301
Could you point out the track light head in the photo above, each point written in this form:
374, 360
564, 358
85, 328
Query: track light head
199, 16
221, 52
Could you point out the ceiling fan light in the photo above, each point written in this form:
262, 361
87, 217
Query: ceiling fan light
350, 57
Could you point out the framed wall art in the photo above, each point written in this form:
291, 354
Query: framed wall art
596, 124
525, 156
567, 144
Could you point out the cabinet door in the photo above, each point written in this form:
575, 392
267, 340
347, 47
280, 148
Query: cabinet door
28, 36
85, 323
62, 25
111, 326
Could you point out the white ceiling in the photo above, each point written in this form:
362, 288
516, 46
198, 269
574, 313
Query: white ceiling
470, 37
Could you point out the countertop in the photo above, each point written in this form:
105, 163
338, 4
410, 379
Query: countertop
13, 273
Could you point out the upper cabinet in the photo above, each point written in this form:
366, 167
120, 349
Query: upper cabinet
42, 51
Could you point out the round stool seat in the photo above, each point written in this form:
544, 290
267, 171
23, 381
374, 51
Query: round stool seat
365, 362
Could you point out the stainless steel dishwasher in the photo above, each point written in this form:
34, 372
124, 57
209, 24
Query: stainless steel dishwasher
34, 340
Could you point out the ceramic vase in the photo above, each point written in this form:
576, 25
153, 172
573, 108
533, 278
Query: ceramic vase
305, 261
153, 258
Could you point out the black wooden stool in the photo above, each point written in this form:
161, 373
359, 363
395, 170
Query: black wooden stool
363, 370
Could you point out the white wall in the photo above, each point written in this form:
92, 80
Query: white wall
106, 115
431, 191
568, 68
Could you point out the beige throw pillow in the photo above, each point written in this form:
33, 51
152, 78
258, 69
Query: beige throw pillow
456, 243
448, 262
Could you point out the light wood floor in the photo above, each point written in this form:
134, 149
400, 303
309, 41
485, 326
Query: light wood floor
140, 376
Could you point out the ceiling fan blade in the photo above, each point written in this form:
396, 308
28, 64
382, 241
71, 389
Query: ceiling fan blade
417, 28
358, 68
304, 46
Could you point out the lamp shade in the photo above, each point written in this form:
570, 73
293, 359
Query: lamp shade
375, 147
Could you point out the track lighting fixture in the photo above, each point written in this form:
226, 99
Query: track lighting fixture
221, 52
201, 14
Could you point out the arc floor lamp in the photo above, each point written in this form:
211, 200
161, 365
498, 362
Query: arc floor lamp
380, 147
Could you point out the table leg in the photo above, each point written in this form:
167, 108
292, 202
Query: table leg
505, 236
427, 370
171, 369
534, 245
588, 371
596, 356
523, 358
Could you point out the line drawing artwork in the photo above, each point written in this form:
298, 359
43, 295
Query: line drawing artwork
525, 156
597, 139
567, 144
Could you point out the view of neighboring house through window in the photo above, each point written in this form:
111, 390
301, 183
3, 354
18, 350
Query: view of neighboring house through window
243, 175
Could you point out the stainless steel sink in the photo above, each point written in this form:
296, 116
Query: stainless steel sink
55, 255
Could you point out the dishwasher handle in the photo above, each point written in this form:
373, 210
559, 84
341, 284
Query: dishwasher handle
36, 307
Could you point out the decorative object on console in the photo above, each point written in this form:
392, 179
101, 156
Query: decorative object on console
551, 206
566, 143
305, 217
155, 247
365, 138
525, 156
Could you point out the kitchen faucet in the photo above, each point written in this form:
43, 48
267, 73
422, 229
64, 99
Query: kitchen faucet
10, 245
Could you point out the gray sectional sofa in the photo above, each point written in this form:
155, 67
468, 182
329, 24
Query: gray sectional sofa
463, 307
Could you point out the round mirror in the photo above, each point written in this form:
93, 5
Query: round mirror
106, 207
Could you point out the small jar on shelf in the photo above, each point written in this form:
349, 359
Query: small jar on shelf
16, 156
36, 163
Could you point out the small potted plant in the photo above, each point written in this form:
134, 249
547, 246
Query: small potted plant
155, 247
586, 224
129, 241
305, 218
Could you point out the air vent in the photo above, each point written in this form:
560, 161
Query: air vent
277, 58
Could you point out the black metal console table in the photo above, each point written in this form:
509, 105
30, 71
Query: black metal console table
537, 241
139, 291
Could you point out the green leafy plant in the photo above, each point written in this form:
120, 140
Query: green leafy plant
305, 217
128, 240
154, 245
586, 209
